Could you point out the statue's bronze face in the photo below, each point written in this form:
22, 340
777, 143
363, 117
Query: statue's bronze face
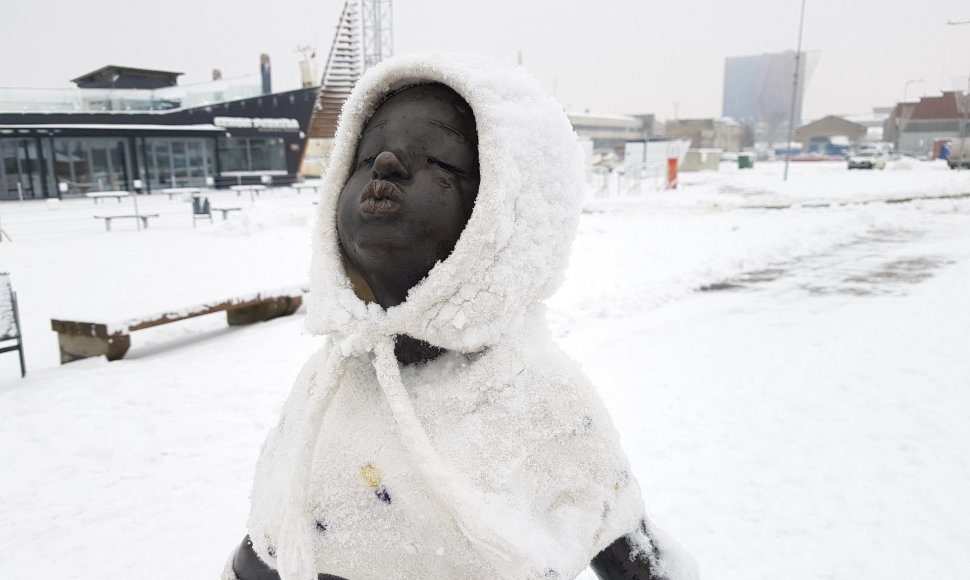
411, 189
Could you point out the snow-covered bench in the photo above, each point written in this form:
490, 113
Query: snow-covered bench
180, 191
78, 339
314, 185
144, 217
10, 321
99, 195
254, 190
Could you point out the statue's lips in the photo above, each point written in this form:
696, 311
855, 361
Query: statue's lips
381, 199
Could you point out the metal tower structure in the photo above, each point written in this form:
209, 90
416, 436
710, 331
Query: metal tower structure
364, 37
344, 66
378, 31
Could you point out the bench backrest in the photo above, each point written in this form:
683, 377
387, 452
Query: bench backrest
8, 324
200, 205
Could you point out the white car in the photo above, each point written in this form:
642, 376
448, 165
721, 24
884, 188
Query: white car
867, 159
959, 153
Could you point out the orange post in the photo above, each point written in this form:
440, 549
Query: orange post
672, 173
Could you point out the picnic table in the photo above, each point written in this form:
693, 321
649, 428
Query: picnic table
253, 190
225, 210
82, 339
97, 196
144, 217
173, 191
314, 185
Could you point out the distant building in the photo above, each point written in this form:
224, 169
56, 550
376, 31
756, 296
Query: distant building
610, 133
914, 128
724, 134
873, 122
817, 137
758, 90
124, 126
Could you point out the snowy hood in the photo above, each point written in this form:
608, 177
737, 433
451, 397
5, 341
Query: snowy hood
514, 249
511, 255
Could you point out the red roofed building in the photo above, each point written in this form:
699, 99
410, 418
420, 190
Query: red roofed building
914, 127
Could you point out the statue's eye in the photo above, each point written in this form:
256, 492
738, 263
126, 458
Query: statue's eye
446, 166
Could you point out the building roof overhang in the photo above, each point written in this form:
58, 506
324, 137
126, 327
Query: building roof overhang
109, 128
113, 68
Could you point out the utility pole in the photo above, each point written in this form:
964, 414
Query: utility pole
966, 98
909, 82
794, 93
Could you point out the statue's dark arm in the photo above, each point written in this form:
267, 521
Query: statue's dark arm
621, 560
625, 559
247, 565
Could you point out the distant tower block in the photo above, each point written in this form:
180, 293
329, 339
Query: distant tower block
363, 38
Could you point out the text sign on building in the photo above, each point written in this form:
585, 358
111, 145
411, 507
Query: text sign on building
260, 124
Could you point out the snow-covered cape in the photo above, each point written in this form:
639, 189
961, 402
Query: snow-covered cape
496, 460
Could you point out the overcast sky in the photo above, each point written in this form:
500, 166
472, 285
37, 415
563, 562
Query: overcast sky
608, 56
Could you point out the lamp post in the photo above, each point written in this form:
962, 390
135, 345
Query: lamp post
794, 94
910, 82
966, 98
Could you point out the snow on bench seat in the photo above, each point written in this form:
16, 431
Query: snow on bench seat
144, 217
99, 195
83, 339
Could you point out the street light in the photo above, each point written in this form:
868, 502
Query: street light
909, 82
794, 94
966, 98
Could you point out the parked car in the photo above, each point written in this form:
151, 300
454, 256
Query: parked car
959, 153
867, 159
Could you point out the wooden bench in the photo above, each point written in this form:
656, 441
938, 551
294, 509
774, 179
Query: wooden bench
144, 217
10, 321
79, 340
97, 196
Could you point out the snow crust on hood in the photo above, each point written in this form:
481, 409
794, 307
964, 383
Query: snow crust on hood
514, 250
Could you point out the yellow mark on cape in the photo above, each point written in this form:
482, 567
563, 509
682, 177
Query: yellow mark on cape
371, 474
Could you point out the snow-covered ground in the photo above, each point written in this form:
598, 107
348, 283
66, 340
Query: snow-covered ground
788, 364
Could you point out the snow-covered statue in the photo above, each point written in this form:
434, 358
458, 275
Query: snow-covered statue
440, 433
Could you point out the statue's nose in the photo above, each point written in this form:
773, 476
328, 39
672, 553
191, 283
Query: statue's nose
388, 166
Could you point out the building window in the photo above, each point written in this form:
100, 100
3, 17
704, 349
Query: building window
91, 163
246, 154
174, 162
19, 169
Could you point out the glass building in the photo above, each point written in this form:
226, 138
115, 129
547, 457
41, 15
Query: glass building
95, 139
758, 89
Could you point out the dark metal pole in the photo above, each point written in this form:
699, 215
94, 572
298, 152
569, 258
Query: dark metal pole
966, 100
148, 166
794, 95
